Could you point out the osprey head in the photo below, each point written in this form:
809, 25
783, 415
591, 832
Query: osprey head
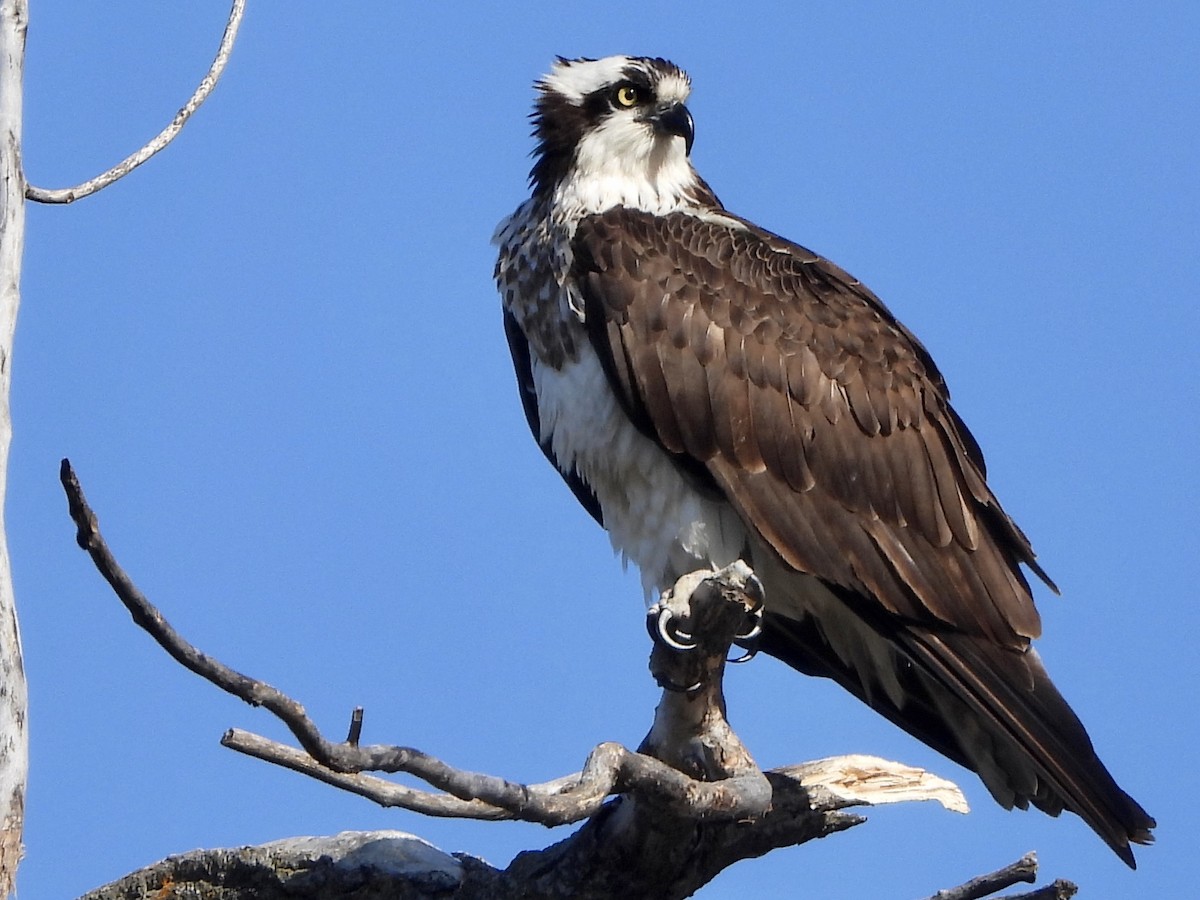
621, 117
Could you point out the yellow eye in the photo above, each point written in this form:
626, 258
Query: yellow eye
627, 96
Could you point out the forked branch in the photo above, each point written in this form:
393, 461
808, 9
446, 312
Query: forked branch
1024, 870
662, 821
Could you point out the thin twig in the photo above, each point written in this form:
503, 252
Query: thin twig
1023, 870
164, 137
610, 768
338, 758
1060, 889
254, 692
355, 732
378, 790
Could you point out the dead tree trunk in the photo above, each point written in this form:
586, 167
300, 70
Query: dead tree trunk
14, 744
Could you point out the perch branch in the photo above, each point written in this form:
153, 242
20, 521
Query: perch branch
690, 803
610, 768
337, 758
164, 137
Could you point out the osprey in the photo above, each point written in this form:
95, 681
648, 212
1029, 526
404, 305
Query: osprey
712, 392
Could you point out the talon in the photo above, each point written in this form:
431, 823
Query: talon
671, 635
755, 617
750, 653
750, 634
748, 639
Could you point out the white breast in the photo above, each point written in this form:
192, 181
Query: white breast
654, 517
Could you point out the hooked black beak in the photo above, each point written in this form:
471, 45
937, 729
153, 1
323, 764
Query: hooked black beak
674, 118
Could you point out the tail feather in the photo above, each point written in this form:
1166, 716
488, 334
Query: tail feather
989, 708
1012, 692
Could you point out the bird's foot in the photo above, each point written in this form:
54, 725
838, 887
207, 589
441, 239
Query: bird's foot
667, 619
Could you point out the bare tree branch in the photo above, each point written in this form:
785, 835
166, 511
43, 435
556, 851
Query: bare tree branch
254, 692
1023, 870
1061, 889
375, 865
164, 137
661, 822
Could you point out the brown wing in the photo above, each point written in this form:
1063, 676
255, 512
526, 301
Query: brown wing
828, 427
822, 418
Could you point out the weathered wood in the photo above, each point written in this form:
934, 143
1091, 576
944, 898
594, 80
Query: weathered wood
1023, 870
376, 865
14, 746
164, 137
661, 822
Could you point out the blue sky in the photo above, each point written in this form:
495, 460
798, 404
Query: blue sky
274, 355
